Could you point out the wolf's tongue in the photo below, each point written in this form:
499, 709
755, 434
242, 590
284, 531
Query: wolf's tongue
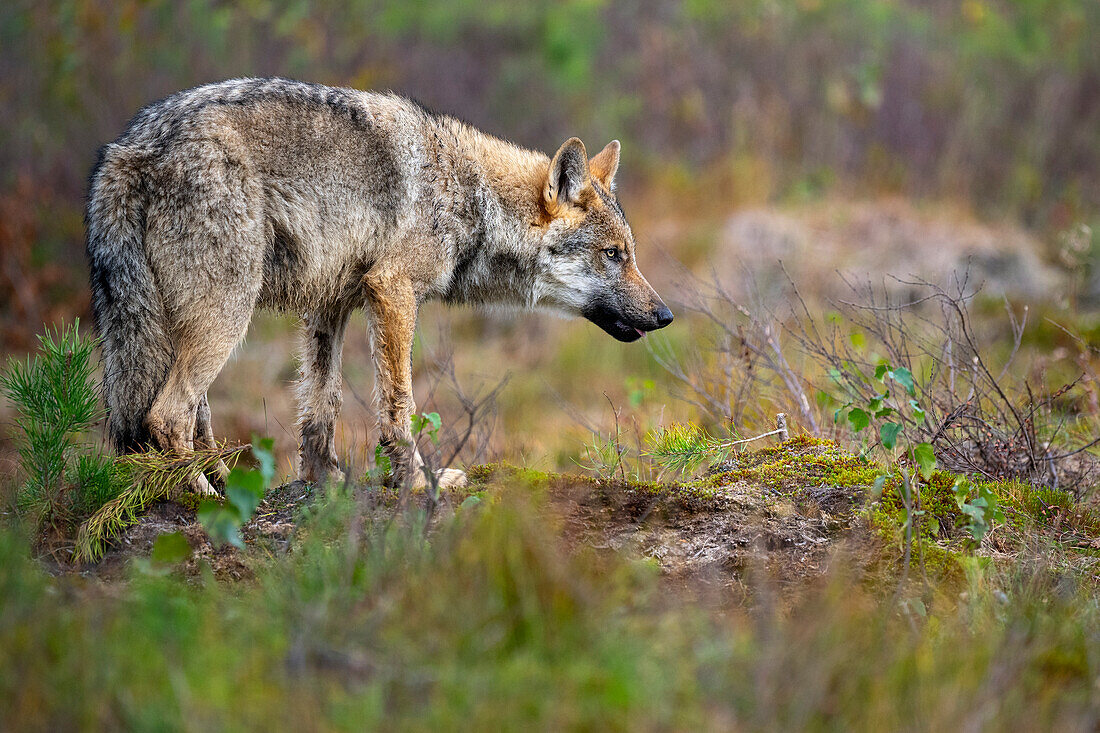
640, 332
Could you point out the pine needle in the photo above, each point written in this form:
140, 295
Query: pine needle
684, 447
154, 475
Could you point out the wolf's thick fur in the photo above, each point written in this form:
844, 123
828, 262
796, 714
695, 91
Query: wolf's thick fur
316, 200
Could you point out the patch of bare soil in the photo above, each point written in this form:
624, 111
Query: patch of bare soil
271, 529
717, 539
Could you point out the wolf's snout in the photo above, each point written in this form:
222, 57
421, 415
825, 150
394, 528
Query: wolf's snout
663, 316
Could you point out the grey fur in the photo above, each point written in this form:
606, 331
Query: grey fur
315, 200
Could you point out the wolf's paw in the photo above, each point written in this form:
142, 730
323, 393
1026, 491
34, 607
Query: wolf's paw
451, 478
222, 470
201, 485
448, 478
313, 473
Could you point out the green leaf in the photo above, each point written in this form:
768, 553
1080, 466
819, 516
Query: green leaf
245, 490
888, 434
926, 460
435, 420
904, 377
858, 340
859, 419
980, 510
422, 421
264, 451
382, 463
470, 502
244, 500
918, 412
170, 548
961, 487
881, 371
876, 488
222, 524
884, 412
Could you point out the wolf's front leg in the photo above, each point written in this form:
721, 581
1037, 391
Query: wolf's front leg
319, 396
392, 307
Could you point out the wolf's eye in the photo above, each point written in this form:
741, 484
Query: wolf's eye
612, 253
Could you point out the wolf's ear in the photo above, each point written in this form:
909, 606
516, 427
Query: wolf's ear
604, 164
568, 174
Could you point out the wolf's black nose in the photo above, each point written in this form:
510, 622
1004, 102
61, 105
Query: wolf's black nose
664, 316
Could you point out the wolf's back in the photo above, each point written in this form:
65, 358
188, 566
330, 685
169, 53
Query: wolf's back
129, 312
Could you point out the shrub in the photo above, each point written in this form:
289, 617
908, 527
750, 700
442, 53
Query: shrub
67, 477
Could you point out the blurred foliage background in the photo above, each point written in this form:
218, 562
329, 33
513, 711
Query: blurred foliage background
869, 137
998, 101
991, 105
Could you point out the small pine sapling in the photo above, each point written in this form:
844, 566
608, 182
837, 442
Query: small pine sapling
66, 476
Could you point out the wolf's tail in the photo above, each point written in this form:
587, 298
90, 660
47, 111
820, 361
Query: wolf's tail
129, 312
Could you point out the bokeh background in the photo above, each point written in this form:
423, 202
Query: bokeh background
860, 136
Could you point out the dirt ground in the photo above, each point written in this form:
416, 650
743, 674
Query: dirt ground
711, 538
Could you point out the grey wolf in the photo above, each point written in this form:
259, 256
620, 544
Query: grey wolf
317, 200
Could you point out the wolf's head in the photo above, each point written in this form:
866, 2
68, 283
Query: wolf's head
586, 263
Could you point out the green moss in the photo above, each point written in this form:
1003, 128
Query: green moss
941, 560
800, 463
1039, 506
191, 500
483, 474
936, 499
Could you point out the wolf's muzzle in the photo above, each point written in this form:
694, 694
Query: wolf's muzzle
627, 327
663, 316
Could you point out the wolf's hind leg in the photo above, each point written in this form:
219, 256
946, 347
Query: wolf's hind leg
319, 396
172, 421
204, 434
174, 418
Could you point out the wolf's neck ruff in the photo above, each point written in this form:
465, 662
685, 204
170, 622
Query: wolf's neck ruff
300, 197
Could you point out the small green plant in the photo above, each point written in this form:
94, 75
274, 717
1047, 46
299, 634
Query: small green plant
683, 447
881, 406
980, 506
603, 456
427, 421
382, 466
893, 412
56, 405
244, 490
